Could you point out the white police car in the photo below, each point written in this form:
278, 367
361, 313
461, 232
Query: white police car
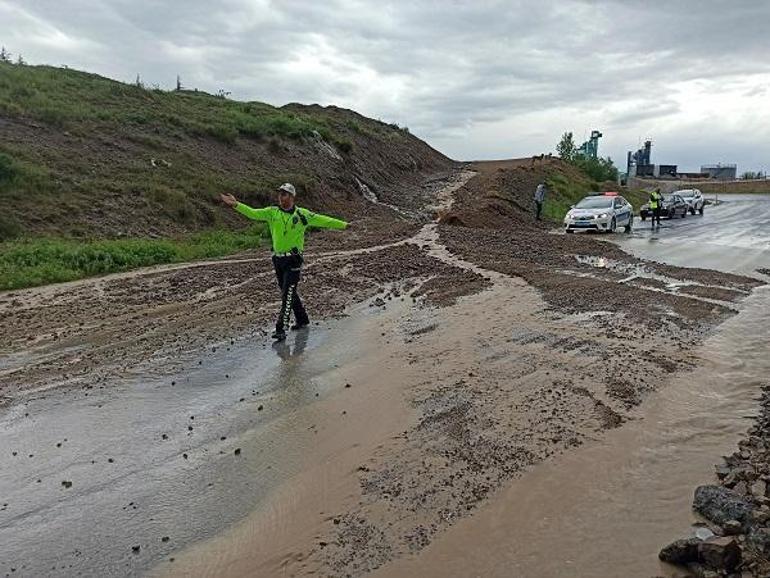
603, 212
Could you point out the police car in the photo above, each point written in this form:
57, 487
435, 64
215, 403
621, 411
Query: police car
603, 212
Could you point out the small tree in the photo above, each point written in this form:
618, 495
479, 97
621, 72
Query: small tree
5, 56
178, 83
20, 60
566, 148
139, 82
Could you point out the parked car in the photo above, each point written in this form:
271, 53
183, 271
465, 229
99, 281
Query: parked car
694, 199
672, 205
603, 212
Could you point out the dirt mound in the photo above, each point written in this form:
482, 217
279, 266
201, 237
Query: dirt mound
501, 196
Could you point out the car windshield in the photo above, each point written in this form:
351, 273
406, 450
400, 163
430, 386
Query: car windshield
595, 203
686, 194
668, 198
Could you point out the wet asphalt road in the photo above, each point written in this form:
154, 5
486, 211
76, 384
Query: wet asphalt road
153, 461
733, 236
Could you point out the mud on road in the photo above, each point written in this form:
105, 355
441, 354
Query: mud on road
501, 345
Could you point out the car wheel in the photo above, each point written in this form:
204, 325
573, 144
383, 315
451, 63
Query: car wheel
613, 225
684, 213
644, 218
630, 224
570, 231
692, 210
701, 209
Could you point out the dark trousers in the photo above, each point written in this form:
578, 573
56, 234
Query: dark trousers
287, 271
538, 209
656, 216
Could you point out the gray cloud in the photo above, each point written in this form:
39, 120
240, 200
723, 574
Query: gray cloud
485, 78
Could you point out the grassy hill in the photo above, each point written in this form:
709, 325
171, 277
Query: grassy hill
86, 156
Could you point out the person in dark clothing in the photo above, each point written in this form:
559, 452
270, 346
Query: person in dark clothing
539, 199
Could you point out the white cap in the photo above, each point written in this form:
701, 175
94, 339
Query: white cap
288, 188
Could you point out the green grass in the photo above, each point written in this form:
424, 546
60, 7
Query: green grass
68, 99
41, 261
565, 192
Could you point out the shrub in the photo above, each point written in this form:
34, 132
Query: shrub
9, 172
9, 228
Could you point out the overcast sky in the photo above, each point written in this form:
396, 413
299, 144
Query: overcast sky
476, 79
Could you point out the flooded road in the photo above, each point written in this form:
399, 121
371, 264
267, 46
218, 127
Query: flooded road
107, 482
732, 236
606, 509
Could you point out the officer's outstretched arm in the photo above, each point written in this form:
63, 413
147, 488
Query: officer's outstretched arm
254, 214
324, 221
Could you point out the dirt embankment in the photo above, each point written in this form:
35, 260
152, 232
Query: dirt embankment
135, 162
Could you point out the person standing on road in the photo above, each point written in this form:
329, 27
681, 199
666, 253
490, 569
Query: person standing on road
656, 205
540, 199
287, 223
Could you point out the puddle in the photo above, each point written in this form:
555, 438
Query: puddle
156, 456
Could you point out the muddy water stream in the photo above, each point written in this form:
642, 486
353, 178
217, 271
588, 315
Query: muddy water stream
606, 509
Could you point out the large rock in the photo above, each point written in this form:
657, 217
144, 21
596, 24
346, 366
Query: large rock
719, 505
720, 553
682, 551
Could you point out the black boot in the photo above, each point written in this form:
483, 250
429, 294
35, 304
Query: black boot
279, 335
297, 326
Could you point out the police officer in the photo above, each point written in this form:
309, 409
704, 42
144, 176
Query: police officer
656, 205
287, 223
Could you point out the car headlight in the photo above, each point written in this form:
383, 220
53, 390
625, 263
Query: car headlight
603, 216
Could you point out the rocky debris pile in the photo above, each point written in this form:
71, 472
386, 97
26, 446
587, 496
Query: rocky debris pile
735, 539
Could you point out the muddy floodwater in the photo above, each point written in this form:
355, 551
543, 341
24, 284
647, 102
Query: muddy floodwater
457, 421
607, 509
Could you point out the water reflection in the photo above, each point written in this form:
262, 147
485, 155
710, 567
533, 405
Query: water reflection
288, 353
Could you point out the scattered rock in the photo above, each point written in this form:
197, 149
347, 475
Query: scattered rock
683, 552
721, 505
237, 451
759, 538
720, 553
135, 549
67, 484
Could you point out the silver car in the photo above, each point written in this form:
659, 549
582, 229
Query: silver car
693, 198
603, 212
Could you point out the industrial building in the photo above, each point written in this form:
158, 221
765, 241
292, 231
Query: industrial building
639, 164
720, 172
